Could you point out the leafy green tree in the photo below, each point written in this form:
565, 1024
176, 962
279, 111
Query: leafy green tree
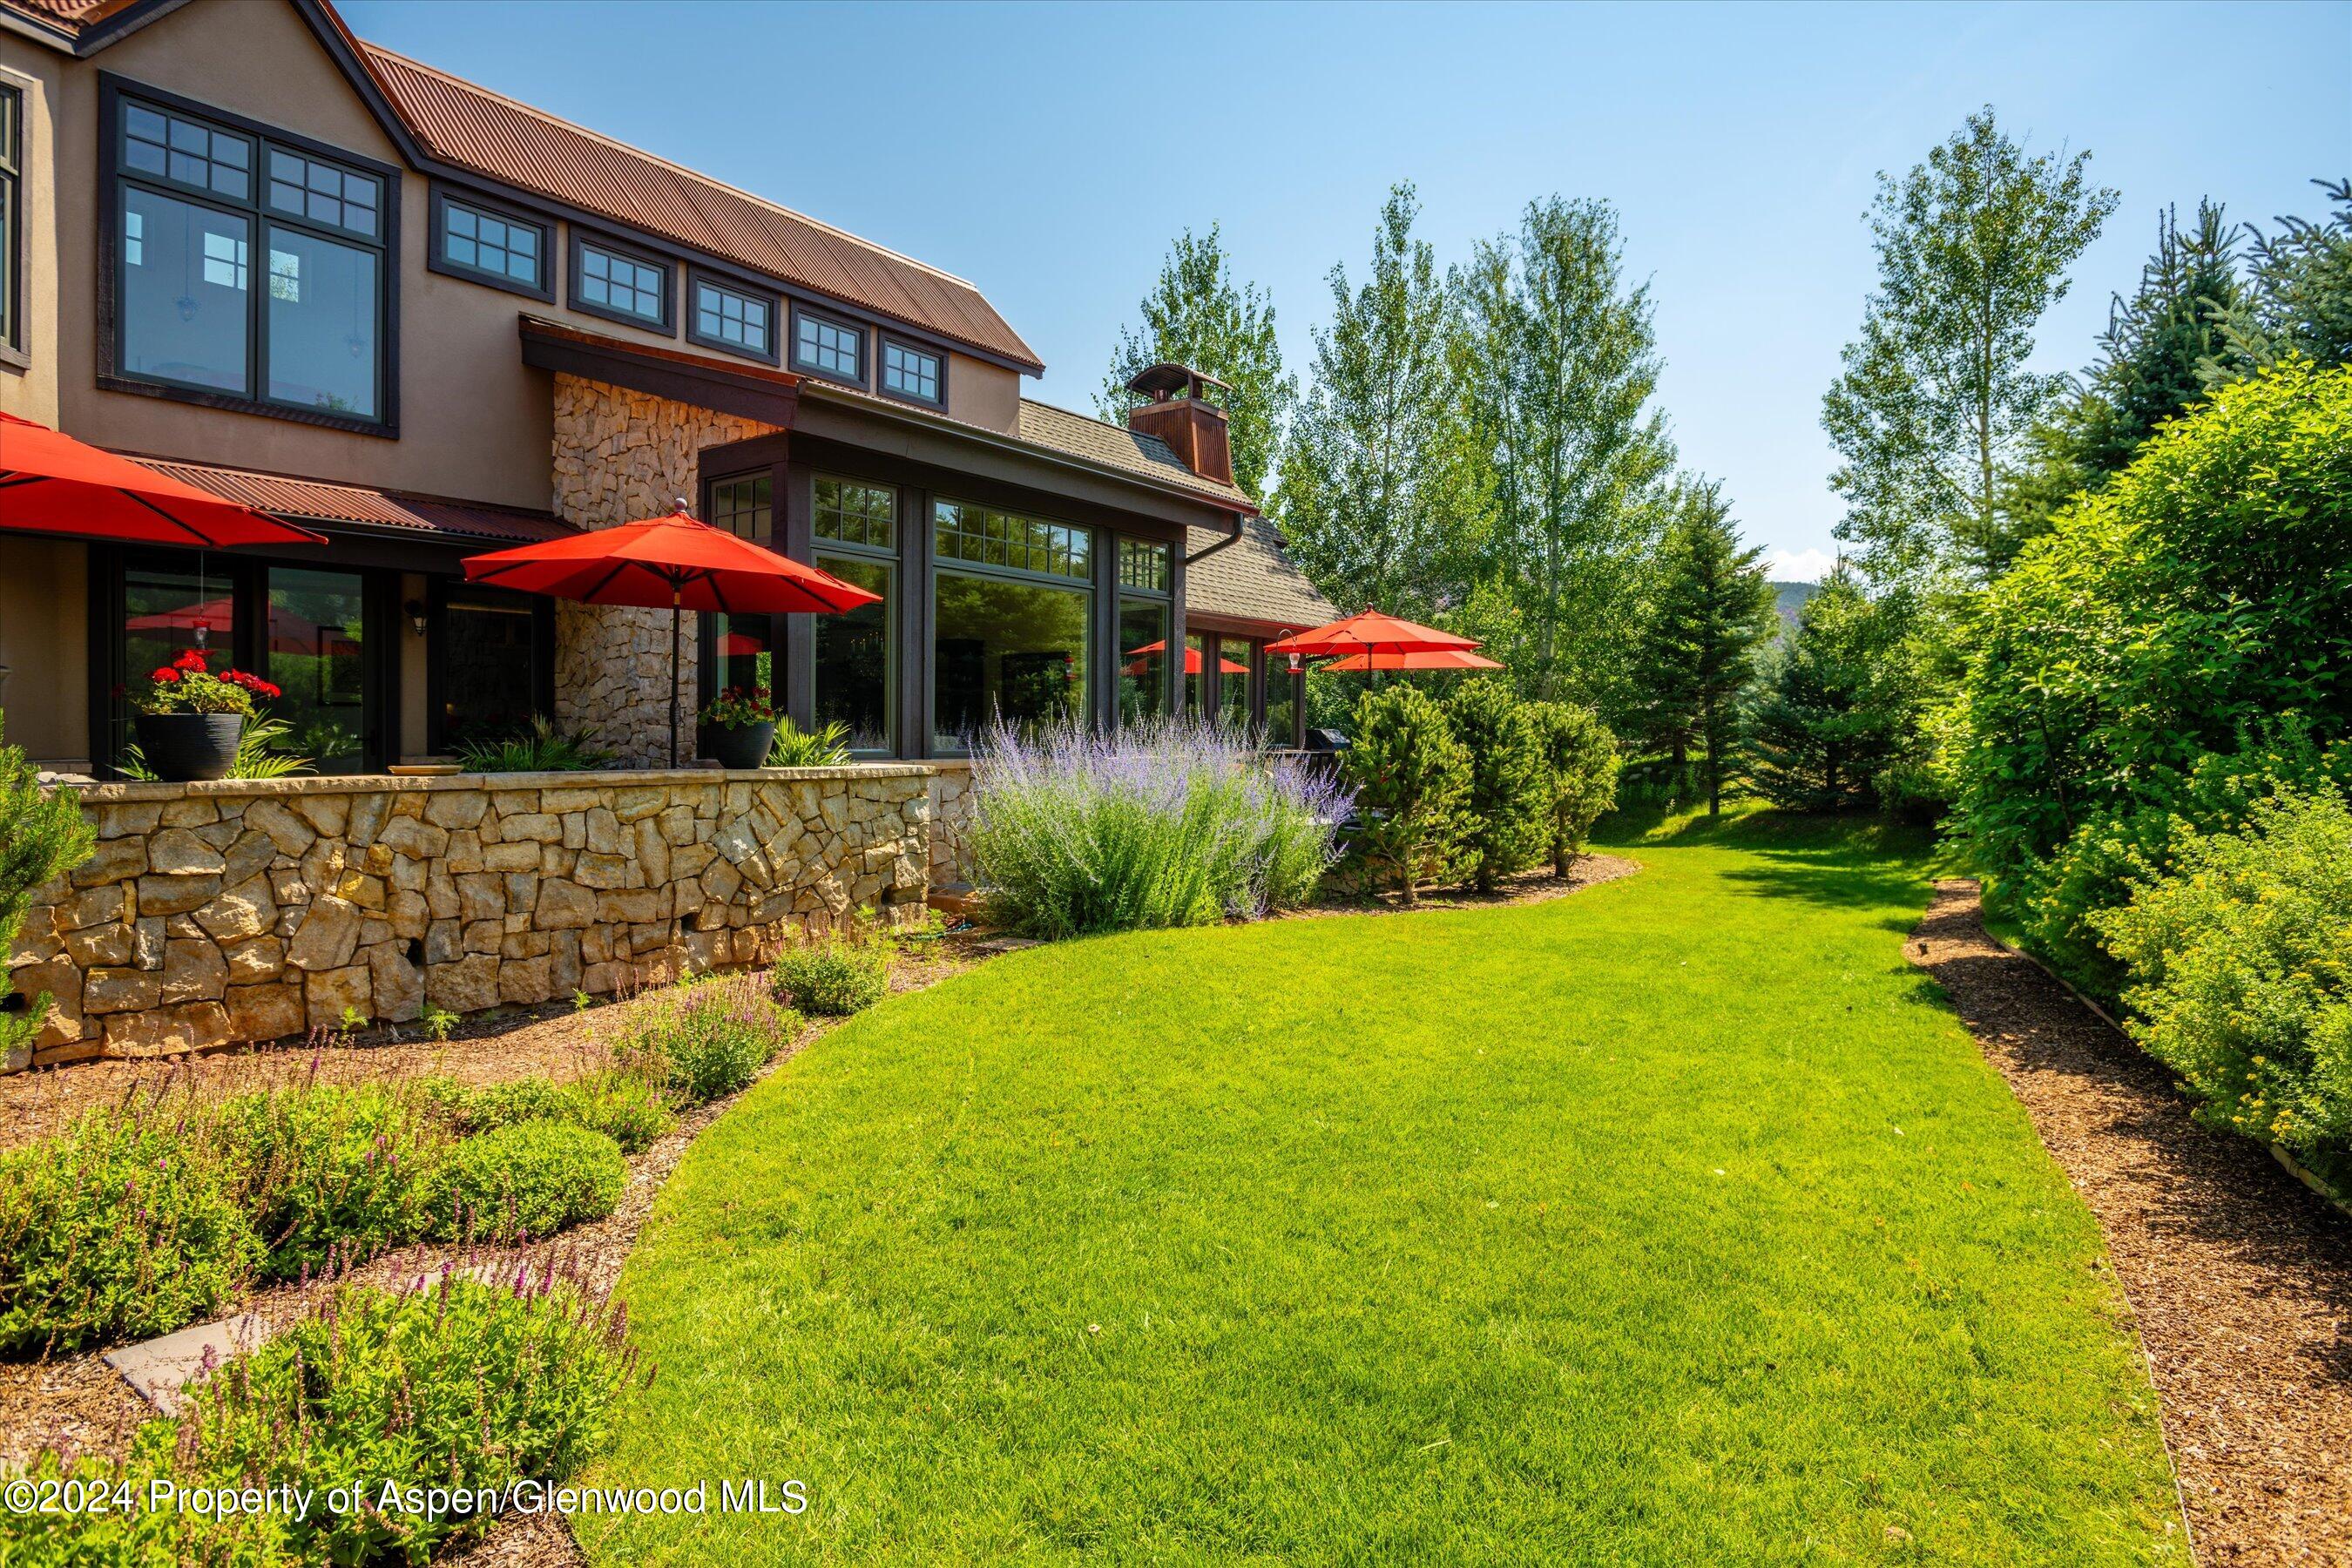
1196, 315
1836, 708
1377, 496
1712, 609
1557, 365
1503, 814
1581, 759
1936, 398
2299, 300
1412, 780
2152, 367
42, 834
2202, 596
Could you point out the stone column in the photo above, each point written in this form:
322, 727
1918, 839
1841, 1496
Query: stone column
625, 457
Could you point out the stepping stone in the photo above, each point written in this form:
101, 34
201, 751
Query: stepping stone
158, 1368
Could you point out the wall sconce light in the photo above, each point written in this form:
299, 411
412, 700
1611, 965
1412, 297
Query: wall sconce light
415, 611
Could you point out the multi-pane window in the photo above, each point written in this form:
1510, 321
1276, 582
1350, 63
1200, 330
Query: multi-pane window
728, 318
12, 210
505, 248
191, 311
910, 372
186, 152
1143, 565
744, 507
828, 346
861, 515
986, 538
620, 285
307, 187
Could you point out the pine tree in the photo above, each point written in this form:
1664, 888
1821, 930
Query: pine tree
1411, 778
1836, 708
2299, 297
1580, 755
1712, 610
1503, 814
1197, 316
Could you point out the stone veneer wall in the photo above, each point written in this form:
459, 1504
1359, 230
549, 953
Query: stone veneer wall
251, 911
624, 456
951, 806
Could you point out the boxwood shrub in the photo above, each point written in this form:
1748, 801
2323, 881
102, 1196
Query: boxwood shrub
525, 1182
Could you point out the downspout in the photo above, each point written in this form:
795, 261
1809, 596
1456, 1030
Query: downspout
1226, 543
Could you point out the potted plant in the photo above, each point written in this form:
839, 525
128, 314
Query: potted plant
189, 717
738, 727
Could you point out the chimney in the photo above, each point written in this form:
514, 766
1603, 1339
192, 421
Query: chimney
1178, 408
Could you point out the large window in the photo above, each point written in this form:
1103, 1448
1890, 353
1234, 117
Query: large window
315, 626
487, 245
12, 215
212, 224
608, 281
492, 662
1010, 614
856, 528
1143, 658
1234, 683
911, 373
829, 348
735, 319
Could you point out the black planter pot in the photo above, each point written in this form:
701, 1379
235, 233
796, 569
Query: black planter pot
180, 747
739, 745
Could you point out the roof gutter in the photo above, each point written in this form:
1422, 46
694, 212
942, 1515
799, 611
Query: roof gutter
1227, 543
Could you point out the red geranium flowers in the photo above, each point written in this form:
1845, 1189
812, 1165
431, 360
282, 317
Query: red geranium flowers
188, 685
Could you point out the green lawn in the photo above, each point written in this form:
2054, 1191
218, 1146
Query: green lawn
1675, 1222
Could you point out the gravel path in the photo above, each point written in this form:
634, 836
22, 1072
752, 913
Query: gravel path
2239, 1278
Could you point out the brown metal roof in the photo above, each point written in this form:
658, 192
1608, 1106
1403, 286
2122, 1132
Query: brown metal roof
316, 500
1252, 579
479, 129
70, 14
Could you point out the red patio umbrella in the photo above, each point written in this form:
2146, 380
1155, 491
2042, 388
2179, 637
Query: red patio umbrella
1372, 633
51, 483
679, 560
1432, 659
1192, 659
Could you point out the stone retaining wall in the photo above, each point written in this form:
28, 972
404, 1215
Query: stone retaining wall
952, 807
255, 909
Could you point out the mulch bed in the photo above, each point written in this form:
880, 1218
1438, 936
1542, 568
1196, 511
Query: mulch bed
2239, 1278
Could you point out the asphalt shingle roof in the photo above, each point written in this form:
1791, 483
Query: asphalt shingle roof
1253, 579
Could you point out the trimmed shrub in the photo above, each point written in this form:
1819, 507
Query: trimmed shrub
526, 1180
833, 978
332, 1174
1503, 809
708, 1038
1580, 762
126, 1226
2241, 964
1168, 822
1412, 779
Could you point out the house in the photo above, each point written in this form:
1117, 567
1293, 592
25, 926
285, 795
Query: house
426, 320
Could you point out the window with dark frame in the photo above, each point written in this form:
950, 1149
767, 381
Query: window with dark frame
856, 527
494, 246
829, 347
988, 538
1143, 565
863, 516
604, 279
733, 319
744, 507
911, 373
11, 212
195, 200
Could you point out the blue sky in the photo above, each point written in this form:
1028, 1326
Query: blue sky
1049, 153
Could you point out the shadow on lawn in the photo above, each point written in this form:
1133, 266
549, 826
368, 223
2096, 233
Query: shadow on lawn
1842, 862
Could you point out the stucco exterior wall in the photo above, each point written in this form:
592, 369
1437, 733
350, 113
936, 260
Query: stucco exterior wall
251, 911
624, 456
44, 673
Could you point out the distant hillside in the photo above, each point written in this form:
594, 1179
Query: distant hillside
1788, 598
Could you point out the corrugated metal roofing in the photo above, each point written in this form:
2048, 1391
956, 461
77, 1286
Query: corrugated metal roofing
476, 128
316, 500
1252, 579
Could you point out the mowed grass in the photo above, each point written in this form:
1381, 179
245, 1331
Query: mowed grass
1674, 1222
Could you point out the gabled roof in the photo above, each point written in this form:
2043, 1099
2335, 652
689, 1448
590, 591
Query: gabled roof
1252, 579
317, 500
1116, 447
515, 144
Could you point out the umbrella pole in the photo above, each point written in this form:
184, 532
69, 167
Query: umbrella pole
673, 675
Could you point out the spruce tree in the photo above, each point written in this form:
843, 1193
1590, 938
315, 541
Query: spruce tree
1711, 611
1836, 708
